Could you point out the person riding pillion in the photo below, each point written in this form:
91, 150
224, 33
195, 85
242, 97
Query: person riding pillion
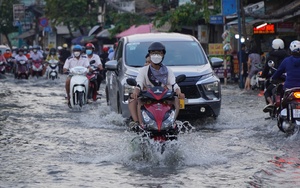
154, 74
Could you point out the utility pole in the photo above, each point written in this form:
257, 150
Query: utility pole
239, 42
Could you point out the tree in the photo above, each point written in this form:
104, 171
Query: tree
75, 14
189, 14
6, 18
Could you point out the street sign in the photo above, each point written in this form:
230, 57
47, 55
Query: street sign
18, 12
216, 19
229, 7
43, 22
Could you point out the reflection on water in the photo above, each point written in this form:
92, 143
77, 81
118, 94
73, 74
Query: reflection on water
45, 144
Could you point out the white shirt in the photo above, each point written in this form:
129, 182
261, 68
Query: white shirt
74, 62
96, 58
21, 58
143, 80
36, 56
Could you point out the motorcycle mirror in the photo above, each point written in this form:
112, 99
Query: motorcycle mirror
131, 81
271, 63
92, 62
180, 78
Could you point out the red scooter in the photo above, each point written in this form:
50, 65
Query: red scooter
93, 84
158, 113
37, 68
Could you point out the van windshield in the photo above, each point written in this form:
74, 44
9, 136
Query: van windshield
178, 53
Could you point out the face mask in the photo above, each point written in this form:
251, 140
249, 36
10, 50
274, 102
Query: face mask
156, 58
52, 53
76, 54
34, 50
88, 52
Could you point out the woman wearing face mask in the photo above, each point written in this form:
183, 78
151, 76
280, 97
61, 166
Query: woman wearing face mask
89, 51
154, 74
51, 56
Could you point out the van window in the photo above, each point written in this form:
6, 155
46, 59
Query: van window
178, 53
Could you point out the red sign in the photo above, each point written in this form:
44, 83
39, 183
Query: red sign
267, 29
43, 22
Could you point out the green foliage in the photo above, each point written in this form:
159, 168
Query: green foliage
6, 17
186, 15
123, 21
77, 13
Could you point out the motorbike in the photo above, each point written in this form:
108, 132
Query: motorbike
78, 86
257, 82
158, 114
9, 65
37, 68
22, 70
2, 67
52, 69
287, 108
93, 84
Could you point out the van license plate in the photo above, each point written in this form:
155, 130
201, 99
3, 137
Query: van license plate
181, 104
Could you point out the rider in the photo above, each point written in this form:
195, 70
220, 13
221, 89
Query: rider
89, 50
20, 57
75, 60
36, 55
155, 74
277, 54
290, 65
2, 58
51, 56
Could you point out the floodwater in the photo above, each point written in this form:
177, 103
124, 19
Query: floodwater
45, 144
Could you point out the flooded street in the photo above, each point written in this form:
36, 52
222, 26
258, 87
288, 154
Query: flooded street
45, 144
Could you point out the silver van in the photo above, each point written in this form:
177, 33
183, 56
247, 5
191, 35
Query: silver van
184, 55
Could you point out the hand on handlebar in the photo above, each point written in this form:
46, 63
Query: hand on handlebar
135, 93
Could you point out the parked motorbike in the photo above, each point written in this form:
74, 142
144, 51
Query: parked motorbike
78, 86
37, 68
22, 70
2, 67
52, 69
158, 114
92, 77
257, 82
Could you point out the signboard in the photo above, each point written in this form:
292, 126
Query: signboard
267, 29
216, 19
43, 22
228, 7
18, 12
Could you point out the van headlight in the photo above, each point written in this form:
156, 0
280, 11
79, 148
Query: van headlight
127, 91
212, 87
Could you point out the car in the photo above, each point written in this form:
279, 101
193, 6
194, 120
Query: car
184, 55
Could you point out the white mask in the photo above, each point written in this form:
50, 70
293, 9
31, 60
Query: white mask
76, 54
156, 58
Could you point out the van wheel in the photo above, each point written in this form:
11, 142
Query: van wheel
107, 97
119, 104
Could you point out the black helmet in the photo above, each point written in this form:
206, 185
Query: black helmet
157, 46
53, 51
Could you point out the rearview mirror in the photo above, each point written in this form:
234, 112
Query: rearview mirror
180, 78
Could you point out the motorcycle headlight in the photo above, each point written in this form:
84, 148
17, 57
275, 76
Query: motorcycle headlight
168, 123
149, 123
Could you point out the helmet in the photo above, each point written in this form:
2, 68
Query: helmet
77, 48
277, 44
25, 47
30, 47
65, 45
59, 48
157, 46
89, 46
105, 49
295, 46
35, 47
52, 51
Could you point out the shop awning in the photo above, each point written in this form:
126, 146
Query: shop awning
62, 30
103, 34
26, 34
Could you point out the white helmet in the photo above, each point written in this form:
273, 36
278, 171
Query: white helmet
295, 46
59, 48
277, 44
